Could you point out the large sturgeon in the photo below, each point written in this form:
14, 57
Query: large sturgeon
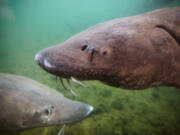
27, 104
135, 52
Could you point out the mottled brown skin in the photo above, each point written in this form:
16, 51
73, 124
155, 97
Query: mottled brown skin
135, 52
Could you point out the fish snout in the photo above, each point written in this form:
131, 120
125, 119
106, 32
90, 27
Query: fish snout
81, 112
39, 59
75, 112
44, 60
86, 110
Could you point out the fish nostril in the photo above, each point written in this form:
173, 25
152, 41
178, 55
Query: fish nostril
48, 112
36, 113
84, 47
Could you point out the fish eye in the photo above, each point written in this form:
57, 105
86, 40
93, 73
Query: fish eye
104, 53
48, 112
84, 47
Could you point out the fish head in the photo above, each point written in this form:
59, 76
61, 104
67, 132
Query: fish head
53, 114
121, 53
27, 104
89, 55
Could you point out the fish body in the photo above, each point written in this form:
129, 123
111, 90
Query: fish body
135, 52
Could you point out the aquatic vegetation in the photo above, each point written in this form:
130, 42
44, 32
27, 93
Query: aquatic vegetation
117, 104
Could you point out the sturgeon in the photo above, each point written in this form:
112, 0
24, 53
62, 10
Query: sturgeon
135, 52
27, 104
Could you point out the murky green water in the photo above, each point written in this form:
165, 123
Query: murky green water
27, 26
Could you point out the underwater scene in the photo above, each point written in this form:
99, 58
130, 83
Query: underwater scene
29, 26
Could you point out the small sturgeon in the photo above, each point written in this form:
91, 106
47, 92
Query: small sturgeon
27, 104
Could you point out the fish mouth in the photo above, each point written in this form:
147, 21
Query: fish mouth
51, 67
